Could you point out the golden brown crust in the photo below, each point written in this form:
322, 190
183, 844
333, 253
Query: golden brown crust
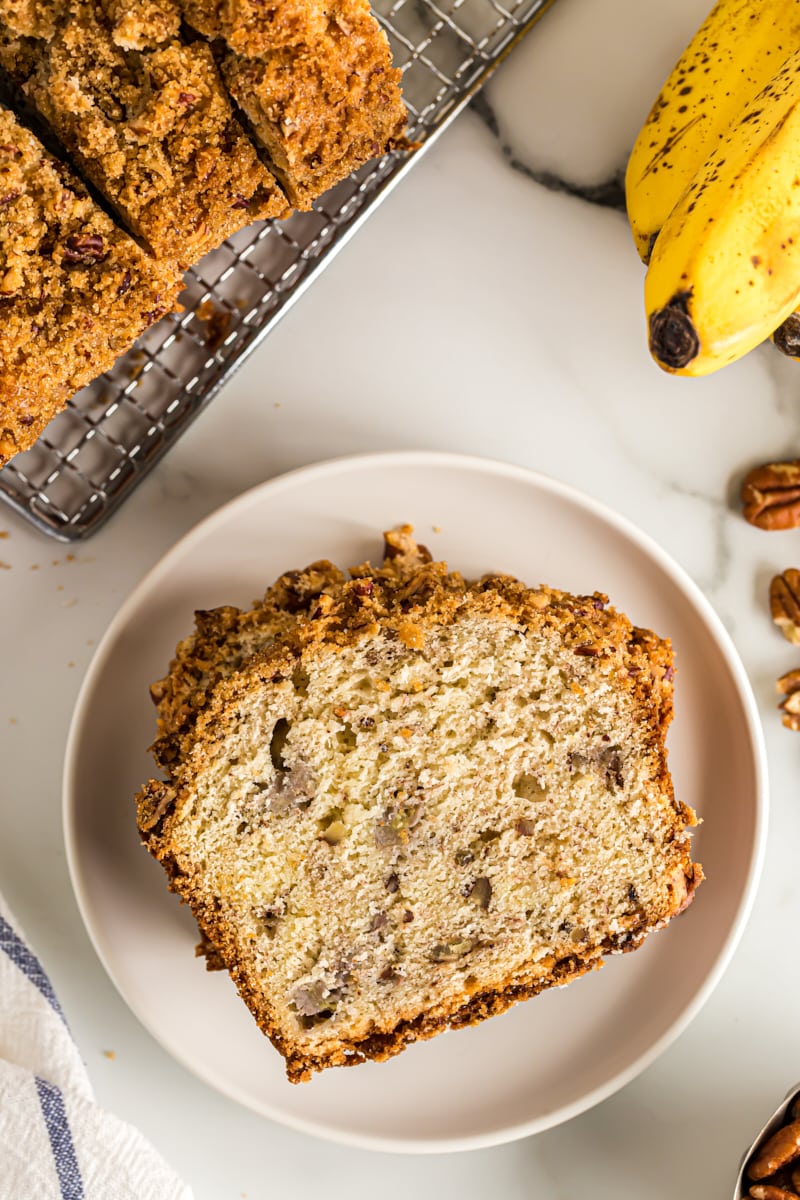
145, 25
635, 659
251, 27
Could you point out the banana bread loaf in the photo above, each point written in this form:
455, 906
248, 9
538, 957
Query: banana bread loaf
154, 131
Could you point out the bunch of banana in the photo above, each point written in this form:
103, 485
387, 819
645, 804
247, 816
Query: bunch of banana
713, 191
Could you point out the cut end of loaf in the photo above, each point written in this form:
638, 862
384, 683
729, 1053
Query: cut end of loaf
430, 801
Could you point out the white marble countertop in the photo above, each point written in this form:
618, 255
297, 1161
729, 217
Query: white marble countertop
492, 305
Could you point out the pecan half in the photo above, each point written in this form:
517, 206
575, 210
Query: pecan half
784, 603
771, 496
782, 1148
788, 686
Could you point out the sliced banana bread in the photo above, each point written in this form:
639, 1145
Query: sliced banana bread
426, 802
225, 638
75, 291
323, 105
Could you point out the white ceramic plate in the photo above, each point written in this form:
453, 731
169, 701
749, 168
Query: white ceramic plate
546, 1060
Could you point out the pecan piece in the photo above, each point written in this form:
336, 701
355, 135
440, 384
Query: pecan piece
784, 603
315, 1000
334, 833
782, 1148
771, 496
768, 1191
480, 892
84, 249
788, 686
448, 952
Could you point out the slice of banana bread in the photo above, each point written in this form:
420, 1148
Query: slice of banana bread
224, 638
75, 291
324, 104
425, 804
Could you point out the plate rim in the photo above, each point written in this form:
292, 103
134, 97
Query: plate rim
665, 562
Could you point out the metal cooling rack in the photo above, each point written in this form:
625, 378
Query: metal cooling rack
113, 432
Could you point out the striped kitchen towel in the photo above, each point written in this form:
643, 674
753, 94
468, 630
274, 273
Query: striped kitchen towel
55, 1142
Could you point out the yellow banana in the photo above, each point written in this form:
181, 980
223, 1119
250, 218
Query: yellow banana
733, 55
725, 268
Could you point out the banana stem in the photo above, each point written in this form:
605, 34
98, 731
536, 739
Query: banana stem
673, 337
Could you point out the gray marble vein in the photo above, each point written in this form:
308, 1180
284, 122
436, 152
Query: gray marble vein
609, 193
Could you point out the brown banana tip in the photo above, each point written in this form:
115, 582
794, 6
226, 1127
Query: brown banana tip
673, 337
787, 336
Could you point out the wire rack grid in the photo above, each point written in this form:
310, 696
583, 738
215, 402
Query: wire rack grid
113, 432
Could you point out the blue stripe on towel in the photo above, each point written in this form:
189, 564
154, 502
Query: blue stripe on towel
28, 963
58, 1131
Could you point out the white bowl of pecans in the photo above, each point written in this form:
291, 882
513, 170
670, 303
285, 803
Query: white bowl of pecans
771, 1168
